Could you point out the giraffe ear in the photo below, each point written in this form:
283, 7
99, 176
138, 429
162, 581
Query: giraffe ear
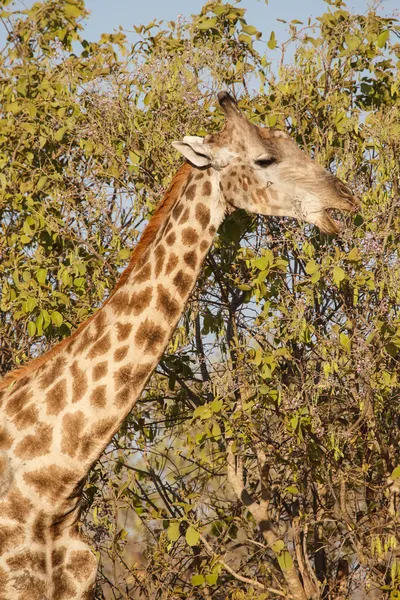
195, 151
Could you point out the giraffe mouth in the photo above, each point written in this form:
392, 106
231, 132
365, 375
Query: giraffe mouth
333, 220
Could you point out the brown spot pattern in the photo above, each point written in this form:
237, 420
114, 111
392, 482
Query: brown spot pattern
203, 214
26, 418
16, 507
52, 481
144, 274
185, 217
58, 556
37, 444
124, 329
167, 304
190, 259
79, 382
130, 379
207, 188
63, 586
82, 563
189, 236
160, 257
183, 282
101, 346
139, 301
100, 370
170, 239
17, 403
149, 336
177, 210
171, 264
190, 191
56, 398
204, 245
121, 353
52, 370
72, 428
98, 397
119, 302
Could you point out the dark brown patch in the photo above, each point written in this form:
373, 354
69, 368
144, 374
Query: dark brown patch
199, 176
52, 481
10, 537
190, 259
204, 246
183, 282
56, 398
98, 397
39, 529
171, 264
212, 231
82, 565
160, 257
63, 585
18, 403
149, 336
124, 329
101, 346
73, 425
233, 174
119, 302
189, 236
37, 444
26, 418
86, 338
168, 229
58, 556
129, 379
51, 371
16, 507
144, 274
139, 301
121, 353
35, 561
100, 370
203, 214
190, 191
177, 210
170, 239
167, 304
102, 428
185, 217
207, 188
79, 382
229, 185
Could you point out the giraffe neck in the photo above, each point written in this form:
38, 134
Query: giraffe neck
62, 416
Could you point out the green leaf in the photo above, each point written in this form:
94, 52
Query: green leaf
272, 41
192, 536
173, 532
124, 253
212, 578
41, 275
207, 23
198, 579
250, 29
338, 275
56, 318
59, 134
312, 267
395, 473
278, 546
31, 328
41, 183
71, 10
285, 561
382, 38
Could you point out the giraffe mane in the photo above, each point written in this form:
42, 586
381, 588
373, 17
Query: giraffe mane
158, 218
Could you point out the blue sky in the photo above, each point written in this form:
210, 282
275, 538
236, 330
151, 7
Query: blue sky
107, 15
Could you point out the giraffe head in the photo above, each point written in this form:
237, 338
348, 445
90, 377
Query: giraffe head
265, 172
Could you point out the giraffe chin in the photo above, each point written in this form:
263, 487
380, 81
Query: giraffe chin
326, 224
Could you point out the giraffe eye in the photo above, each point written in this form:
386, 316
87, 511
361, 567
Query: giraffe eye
265, 162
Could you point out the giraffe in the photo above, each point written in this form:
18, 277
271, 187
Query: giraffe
60, 411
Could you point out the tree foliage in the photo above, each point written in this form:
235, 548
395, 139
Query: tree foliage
263, 459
